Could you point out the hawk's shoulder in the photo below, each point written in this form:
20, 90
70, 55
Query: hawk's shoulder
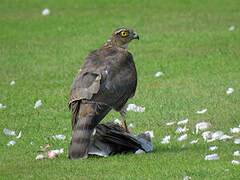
107, 55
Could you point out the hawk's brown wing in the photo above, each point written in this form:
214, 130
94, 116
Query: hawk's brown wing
107, 76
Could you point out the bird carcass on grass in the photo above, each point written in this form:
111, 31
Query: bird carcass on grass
110, 139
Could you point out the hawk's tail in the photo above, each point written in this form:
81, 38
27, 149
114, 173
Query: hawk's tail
75, 109
86, 116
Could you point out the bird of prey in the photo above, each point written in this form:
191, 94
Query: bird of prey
106, 80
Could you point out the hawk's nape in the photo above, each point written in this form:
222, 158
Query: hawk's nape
106, 81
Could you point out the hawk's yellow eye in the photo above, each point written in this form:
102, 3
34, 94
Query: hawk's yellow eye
124, 33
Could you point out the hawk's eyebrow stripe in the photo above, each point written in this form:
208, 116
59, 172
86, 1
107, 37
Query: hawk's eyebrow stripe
116, 32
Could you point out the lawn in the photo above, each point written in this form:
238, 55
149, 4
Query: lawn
188, 40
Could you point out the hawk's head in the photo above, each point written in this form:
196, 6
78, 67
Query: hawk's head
121, 37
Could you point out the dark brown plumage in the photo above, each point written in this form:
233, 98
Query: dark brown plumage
106, 81
110, 139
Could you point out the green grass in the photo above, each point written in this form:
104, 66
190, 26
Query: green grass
188, 40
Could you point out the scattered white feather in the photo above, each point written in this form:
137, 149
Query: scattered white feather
166, 139
31, 143
202, 111
216, 136
158, 74
9, 132
117, 121
206, 135
19, 135
202, 126
213, 148
194, 141
135, 108
181, 130
229, 91
11, 143
150, 133
186, 178
40, 156
231, 28
12, 83
235, 130
170, 123
139, 151
2, 106
45, 12
59, 137
211, 157
236, 153
37, 104
237, 141
235, 162
183, 137
182, 122
131, 125
225, 137
58, 151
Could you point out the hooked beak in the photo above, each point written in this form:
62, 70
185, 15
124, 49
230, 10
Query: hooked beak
135, 36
